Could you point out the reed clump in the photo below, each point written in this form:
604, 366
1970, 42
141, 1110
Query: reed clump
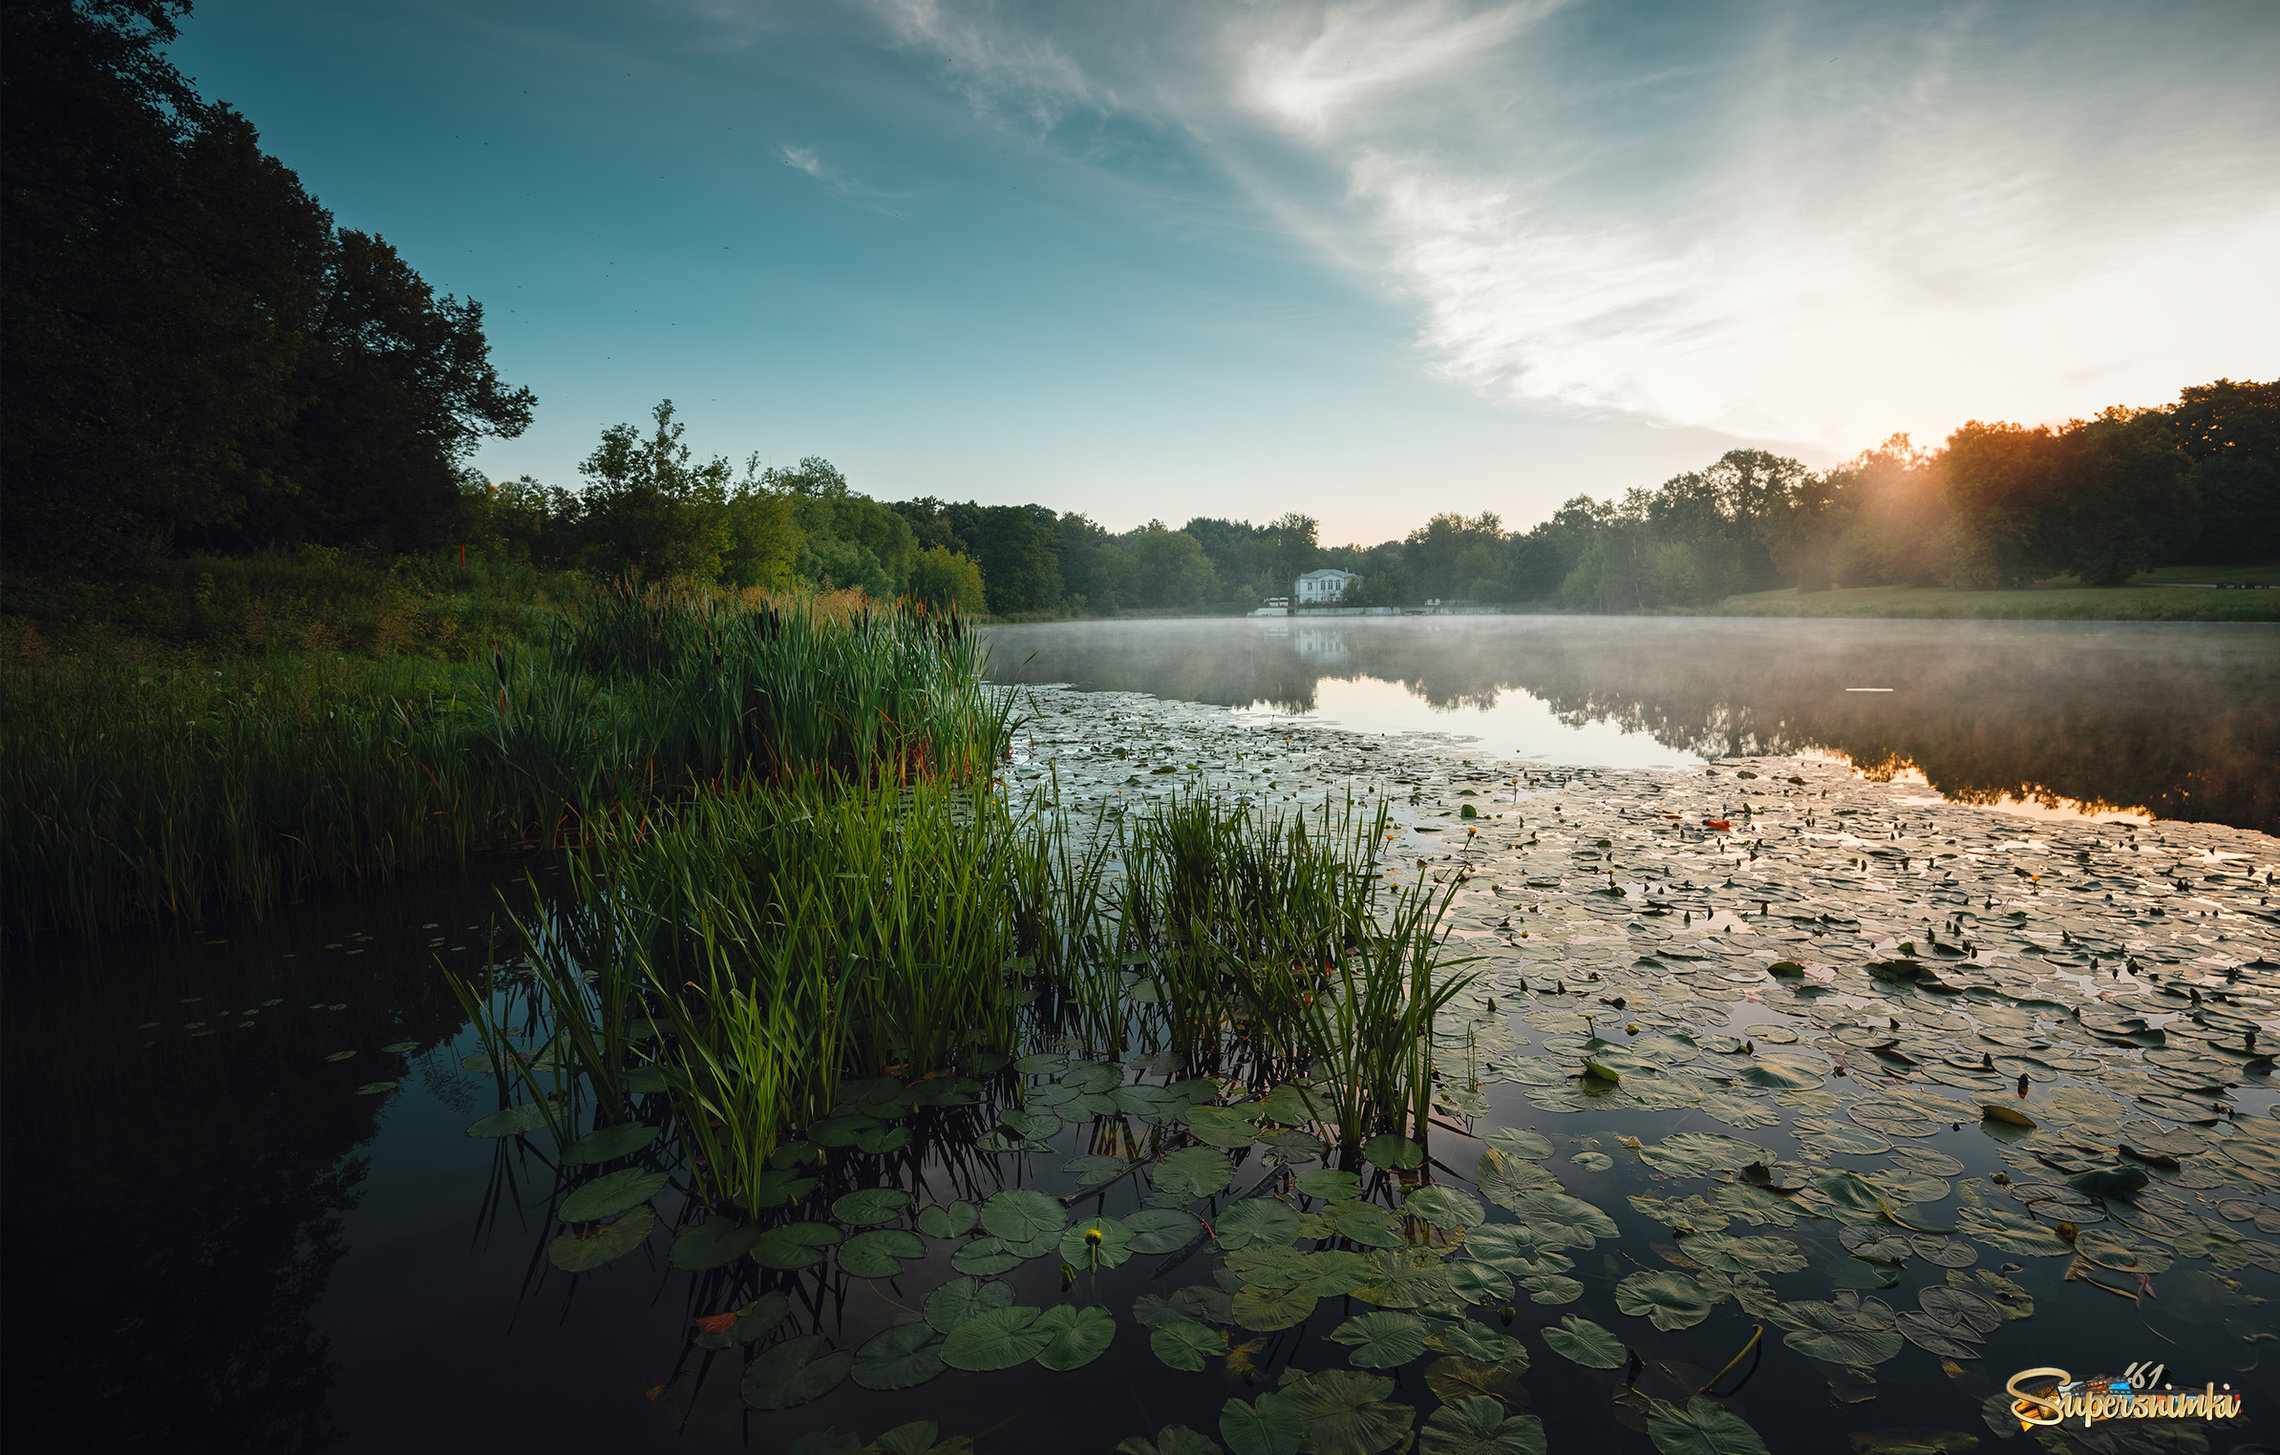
133, 791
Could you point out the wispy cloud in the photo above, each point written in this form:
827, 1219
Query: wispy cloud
845, 188
1811, 223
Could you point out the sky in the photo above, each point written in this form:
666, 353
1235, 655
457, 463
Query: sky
1368, 261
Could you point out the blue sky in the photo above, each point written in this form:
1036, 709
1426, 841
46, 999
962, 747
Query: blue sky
1369, 261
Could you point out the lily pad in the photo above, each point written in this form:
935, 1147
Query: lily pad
962, 1298
1444, 1208
794, 1373
1665, 1298
1579, 1339
898, 1358
1274, 1425
1193, 1172
1383, 1339
870, 1205
1257, 1218
1161, 1230
1479, 1425
1075, 1336
879, 1253
996, 1338
1096, 1243
1704, 1427
514, 1120
610, 1194
1024, 1215
793, 1245
713, 1243
609, 1144
954, 1221
1391, 1150
1345, 1412
986, 1258
575, 1253
1186, 1344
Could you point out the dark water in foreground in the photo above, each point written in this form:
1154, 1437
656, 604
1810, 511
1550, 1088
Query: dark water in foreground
2180, 721
218, 1237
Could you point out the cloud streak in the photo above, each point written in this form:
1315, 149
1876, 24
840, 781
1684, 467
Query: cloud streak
1805, 223
845, 188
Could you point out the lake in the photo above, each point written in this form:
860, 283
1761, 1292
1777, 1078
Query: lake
2174, 721
244, 1212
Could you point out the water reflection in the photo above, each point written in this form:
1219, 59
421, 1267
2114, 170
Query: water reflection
2182, 721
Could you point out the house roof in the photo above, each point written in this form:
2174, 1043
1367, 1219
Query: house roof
1326, 572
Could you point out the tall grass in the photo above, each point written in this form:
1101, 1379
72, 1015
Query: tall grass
136, 792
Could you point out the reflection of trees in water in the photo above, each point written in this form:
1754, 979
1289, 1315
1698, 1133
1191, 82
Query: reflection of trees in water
174, 1214
2184, 721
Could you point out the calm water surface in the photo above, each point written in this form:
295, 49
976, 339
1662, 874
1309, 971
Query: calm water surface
2179, 721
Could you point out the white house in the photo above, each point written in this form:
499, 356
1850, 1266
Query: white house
1323, 587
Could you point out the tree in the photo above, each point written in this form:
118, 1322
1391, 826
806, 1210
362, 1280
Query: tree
2129, 497
944, 578
2231, 434
1998, 481
648, 508
1019, 560
1169, 568
1294, 549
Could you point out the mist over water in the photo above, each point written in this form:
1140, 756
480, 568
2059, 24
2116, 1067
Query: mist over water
2179, 721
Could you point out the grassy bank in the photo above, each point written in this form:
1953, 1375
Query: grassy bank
136, 784
2144, 600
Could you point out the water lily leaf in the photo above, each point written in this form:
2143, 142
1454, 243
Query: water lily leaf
962, 1298
2010, 1231
1579, 1339
398, 1048
1511, 1249
340, 1056
1096, 1243
609, 1144
1785, 1070
1444, 1208
1855, 1346
749, 1325
1075, 1336
2012, 1299
915, 1438
1944, 1252
1505, 1179
1170, 1440
1478, 1425
898, 1357
1556, 1220
1024, 1215
986, 1258
870, 1205
996, 1338
1520, 1142
1365, 1223
1665, 1298
1186, 1344
713, 1243
1161, 1230
1256, 1218
1730, 1253
793, 1373
879, 1253
1403, 1278
575, 1253
1704, 1427
1264, 1309
1471, 1281
1293, 1106
1458, 1377
1329, 1184
1949, 1341
528, 1117
1551, 1288
1345, 1412
1391, 1150
610, 1194
1224, 1126
1381, 1340
954, 1221
793, 1245
1096, 1171
1272, 1426
1698, 1154
1193, 1172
